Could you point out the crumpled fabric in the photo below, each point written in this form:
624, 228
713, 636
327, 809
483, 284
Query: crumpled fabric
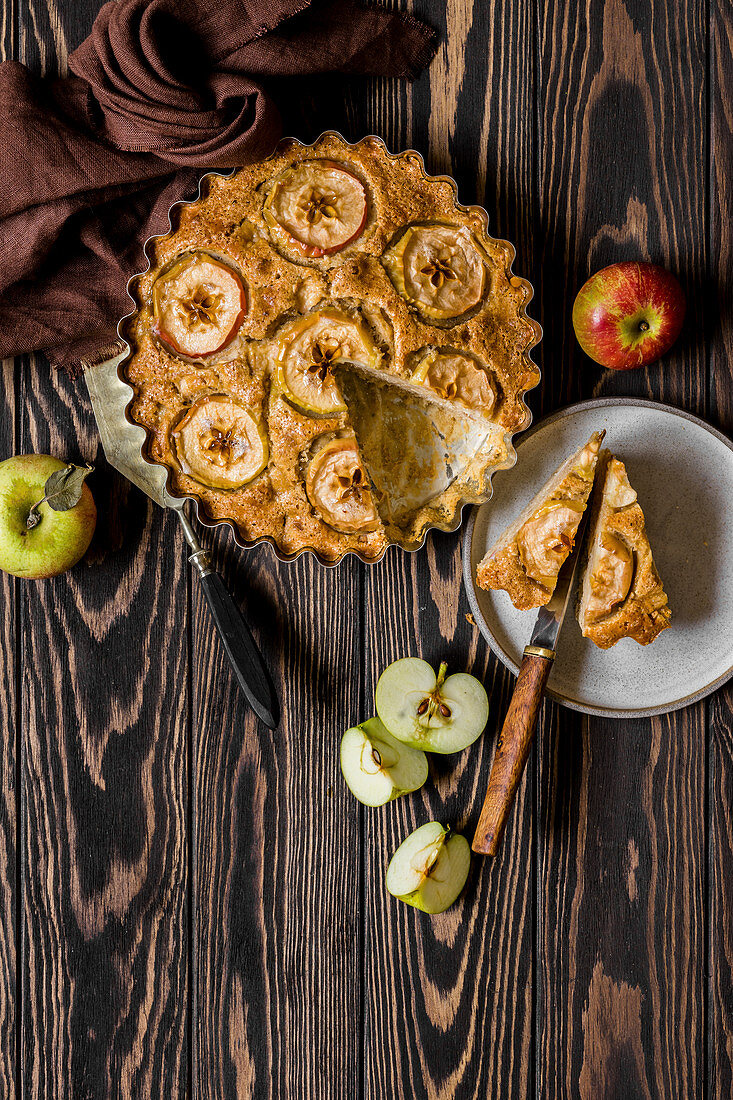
159, 92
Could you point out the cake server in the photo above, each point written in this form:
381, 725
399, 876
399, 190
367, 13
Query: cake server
122, 443
516, 735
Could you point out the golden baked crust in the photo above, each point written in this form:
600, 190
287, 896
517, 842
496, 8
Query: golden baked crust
229, 223
644, 612
503, 567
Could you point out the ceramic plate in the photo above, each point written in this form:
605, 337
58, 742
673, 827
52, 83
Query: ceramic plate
682, 470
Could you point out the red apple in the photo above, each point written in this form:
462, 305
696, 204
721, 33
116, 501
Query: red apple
629, 314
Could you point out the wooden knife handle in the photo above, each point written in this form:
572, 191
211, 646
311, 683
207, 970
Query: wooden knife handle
512, 749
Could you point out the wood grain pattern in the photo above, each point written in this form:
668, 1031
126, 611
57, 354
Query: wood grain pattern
202, 910
277, 933
10, 726
621, 826
437, 988
720, 775
104, 791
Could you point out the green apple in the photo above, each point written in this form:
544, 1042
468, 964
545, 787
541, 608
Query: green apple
36, 539
429, 712
430, 868
377, 767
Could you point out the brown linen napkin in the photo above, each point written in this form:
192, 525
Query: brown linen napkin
160, 91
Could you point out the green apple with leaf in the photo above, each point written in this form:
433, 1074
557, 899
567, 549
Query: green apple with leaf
47, 515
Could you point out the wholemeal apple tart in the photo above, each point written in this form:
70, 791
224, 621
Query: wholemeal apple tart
527, 557
329, 352
621, 593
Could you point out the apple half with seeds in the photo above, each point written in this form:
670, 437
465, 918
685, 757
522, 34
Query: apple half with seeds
433, 713
455, 376
438, 269
309, 346
199, 304
378, 768
430, 868
319, 207
337, 485
220, 443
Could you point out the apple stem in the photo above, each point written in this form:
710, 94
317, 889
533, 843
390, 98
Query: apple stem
643, 326
33, 516
441, 675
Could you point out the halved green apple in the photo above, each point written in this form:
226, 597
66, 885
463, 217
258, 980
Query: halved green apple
430, 868
377, 767
199, 304
433, 713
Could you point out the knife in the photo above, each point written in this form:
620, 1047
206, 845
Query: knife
516, 735
122, 442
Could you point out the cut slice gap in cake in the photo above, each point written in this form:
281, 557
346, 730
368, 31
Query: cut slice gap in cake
527, 557
418, 449
621, 593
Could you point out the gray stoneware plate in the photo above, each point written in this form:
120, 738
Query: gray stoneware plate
682, 469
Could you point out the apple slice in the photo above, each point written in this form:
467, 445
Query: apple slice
438, 269
199, 304
430, 868
429, 712
318, 205
455, 376
220, 443
337, 486
378, 768
307, 350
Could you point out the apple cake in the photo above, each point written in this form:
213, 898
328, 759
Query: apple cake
527, 557
329, 352
621, 594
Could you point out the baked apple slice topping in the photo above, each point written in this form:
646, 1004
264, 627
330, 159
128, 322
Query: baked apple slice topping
199, 304
338, 488
220, 443
319, 206
611, 577
438, 269
457, 377
546, 539
308, 349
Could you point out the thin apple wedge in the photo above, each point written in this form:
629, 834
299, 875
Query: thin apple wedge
430, 868
377, 767
434, 713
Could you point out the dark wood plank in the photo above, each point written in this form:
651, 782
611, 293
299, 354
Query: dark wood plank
104, 651
449, 999
720, 787
621, 831
105, 722
9, 746
277, 932
9, 722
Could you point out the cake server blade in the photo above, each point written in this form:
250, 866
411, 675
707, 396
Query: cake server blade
123, 442
517, 732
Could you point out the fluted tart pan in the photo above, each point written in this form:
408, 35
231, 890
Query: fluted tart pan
375, 354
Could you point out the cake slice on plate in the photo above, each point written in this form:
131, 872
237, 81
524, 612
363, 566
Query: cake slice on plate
621, 594
526, 559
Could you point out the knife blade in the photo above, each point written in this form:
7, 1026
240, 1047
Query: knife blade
122, 443
520, 723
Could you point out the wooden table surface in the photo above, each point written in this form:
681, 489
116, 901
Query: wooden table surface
191, 907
